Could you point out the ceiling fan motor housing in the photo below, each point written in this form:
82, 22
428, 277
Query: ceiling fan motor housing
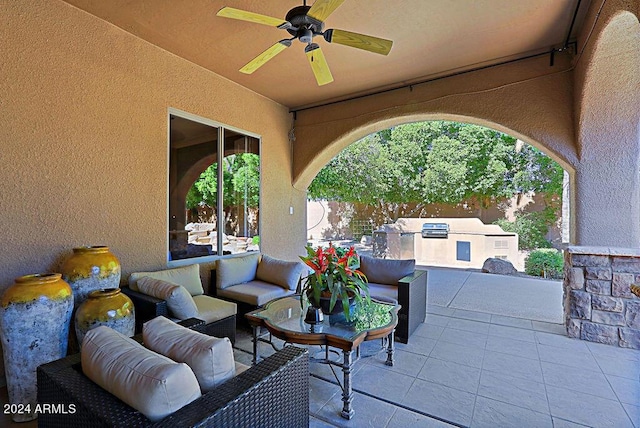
304, 26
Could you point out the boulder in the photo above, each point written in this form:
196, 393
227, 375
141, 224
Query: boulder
499, 266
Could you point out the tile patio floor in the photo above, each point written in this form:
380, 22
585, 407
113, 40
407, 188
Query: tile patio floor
476, 369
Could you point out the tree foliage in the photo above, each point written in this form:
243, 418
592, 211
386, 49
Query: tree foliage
241, 189
241, 183
531, 228
545, 262
412, 165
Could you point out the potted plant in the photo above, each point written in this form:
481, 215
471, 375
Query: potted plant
335, 277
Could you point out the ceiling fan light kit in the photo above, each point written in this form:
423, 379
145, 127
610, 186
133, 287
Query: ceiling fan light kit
304, 23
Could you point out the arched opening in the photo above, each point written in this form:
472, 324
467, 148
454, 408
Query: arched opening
460, 176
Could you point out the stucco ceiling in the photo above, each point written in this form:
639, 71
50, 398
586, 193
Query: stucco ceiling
431, 38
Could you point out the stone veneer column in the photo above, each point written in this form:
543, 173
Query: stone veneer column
598, 303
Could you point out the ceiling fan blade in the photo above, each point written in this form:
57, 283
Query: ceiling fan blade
319, 65
229, 12
265, 56
321, 9
360, 41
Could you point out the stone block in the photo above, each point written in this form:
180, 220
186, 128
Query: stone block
599, 333
589, 260
632, 314
598, 286
630, 338
626, 264
580, 304
606, 303
620, 284
574, 278
598, 273
609, 318
632, 252
573, 328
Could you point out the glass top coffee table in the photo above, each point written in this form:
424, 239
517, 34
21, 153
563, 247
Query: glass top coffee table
284, 318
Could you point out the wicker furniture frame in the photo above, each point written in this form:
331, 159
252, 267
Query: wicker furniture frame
149, 307
273, 393
412, 297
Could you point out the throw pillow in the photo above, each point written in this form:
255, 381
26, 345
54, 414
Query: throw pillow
210, 358
179, 301
280, 272
236, 270
150, 383
386, 271
187, 276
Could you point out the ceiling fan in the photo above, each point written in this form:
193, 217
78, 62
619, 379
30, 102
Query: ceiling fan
304, 23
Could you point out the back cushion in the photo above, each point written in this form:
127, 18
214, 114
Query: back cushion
280, 272
178, 299
186, 276
150, 383
386, 271
236, 270
210, 358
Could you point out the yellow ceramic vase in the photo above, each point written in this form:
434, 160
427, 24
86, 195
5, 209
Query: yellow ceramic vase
109, 307
89, 269
34, 326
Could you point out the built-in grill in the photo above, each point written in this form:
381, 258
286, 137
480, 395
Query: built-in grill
435, 230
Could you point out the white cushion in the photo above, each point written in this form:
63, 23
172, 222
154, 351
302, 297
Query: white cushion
150, 383
236, 270
210, 358
179, 301
280, 272
186, 276
255, 293
211, 309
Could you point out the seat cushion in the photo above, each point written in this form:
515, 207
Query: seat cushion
236, 270
383, 290
255, 293
280, 272
210, 358
179, 301
211, 309
149, 382
186, 276
386, 271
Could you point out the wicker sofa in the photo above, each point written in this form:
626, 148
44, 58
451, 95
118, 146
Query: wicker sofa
219, 315
273, 393
149, 307
252, 280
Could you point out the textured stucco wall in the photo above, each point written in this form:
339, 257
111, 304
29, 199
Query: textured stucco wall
83, 135
528, 99
606, 186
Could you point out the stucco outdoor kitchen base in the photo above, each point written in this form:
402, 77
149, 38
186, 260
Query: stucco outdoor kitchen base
598, 304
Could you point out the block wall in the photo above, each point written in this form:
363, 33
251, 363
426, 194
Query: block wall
598, 303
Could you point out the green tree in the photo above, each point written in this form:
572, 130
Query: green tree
399, 171
241, 187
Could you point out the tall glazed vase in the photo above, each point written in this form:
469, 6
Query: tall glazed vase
89, 269
34, 326
107, 307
